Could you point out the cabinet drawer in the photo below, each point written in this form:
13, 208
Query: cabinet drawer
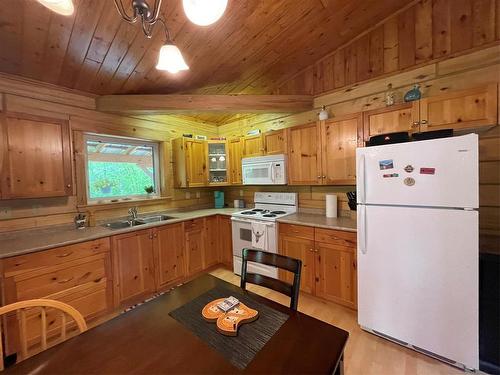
37, 261
335, 237
192, 225
297, 231
57, 279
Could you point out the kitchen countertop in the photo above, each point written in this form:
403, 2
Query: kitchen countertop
320, 221
33, 240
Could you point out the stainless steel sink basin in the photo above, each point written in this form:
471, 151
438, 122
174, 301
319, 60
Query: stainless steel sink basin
154, 219
123, 224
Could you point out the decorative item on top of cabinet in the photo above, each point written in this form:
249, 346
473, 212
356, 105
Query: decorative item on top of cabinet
397, 118
168, 246
235, 154
253, 145
194, 238
36, 157
218, 163
339, 138
133, 266
190, 162
275, 142
226, 241
304, 159
464, 109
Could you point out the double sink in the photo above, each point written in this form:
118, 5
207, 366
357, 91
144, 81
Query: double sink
138, 221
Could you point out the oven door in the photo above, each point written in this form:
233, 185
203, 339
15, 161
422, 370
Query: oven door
242, 235
258, 174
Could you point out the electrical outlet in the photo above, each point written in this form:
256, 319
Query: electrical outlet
198, 194
241, 193
5, 212
188, 195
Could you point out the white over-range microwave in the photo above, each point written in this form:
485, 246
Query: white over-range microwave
264, 170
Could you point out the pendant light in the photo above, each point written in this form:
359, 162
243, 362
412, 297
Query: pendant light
170, 59
63, 7
204, 12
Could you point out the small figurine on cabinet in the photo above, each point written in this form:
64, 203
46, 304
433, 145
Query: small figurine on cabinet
413, 94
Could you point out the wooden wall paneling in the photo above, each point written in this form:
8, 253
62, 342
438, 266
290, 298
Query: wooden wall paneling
423, 31
11, 31
339, 69
406, 34
483, 22
376, 52
441, 28
497, 18
350, 64
461, 25
363, 58
80, 167
391, 45
35, 28
86, 20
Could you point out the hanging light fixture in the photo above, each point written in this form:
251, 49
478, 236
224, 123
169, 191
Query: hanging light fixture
170, 57
204, 12
63, 7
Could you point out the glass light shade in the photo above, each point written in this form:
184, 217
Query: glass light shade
64, 7
204, 12
170, 59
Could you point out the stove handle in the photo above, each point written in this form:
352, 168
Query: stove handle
272, 173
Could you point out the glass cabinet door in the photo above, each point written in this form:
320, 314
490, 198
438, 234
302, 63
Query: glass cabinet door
217, 162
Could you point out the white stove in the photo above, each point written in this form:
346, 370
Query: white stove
256, 228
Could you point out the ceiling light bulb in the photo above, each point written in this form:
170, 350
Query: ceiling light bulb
204, 12
64, 7
170, 59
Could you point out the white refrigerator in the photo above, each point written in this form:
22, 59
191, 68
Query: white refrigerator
418, 246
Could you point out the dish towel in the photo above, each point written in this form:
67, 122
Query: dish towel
259, 236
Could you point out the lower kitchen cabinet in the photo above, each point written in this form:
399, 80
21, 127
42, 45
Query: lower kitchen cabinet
133, 265
211, 252
168, 246
226, 240
194, 244
328, 261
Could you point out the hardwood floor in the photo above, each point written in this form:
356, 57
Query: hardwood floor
365, 353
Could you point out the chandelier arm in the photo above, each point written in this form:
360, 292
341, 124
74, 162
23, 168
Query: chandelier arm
156, 13
167, 33
123, 13
147, 28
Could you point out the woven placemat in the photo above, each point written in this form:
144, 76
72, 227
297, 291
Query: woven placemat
241, 349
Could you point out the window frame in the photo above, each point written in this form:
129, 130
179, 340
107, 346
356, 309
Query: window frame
129, 141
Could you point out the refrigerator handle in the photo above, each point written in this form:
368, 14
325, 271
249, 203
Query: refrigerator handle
362, 228
361, 178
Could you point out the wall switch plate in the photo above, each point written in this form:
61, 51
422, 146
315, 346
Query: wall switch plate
188, 195
241, 193
198, 194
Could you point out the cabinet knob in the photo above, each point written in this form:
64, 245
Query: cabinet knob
324, 176
415, 124
424, 122
68, 185
319, 176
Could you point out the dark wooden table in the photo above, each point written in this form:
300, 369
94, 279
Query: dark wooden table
147, 340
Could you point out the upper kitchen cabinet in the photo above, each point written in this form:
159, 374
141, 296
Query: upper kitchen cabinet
464, 109
304, 155
218, 163
190, 162
398, 118
253, 145
339, 139
36, 157
275, 142
235, 148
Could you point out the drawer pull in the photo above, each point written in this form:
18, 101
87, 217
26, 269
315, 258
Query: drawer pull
65, 281
64, 255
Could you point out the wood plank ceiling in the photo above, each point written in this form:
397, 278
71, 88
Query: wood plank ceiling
256, 46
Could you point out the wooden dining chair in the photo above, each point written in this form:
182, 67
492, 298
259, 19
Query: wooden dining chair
42, 304
276, 260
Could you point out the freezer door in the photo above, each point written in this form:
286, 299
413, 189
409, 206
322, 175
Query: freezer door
418, 278
434, 173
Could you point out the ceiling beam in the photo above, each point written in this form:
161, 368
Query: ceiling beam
168, 104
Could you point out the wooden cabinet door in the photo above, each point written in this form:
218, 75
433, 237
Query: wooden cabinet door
339, 142
211, 255
397, 118
169, 254
235, 155
194, 248
37, 156
196, 163
460, 109
303, 249
336, 274
275, 142
226, 240
253, 146
133, 260
304, 155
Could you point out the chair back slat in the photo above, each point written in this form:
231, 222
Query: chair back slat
42, 304
276, 260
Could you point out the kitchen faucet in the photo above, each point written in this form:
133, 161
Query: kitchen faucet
132, 213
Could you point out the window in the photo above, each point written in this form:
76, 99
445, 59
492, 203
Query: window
121, 168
